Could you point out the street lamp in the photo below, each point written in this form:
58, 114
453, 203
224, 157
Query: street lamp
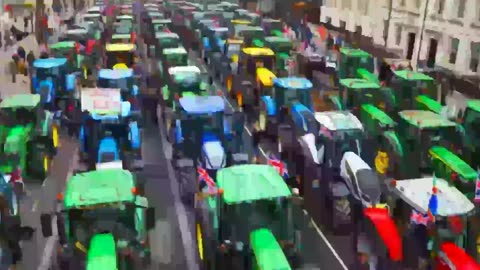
424, 19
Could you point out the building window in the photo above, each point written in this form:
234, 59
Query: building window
440, 6
453, 50
461, 8
474, 56
398, 35
343, 25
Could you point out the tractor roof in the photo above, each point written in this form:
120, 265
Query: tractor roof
412, 75
253, 51
218, 29
359, 84
63, 45
102, 253
417, 193
273, 39
121, 36
431, 104
97, 187
354, 52
102, 101
425, 119
28, 101
268, 253
115, 74
178, 50
160, 35
161, 21
120, 47
124, 17
474, 104
252, 182
79, 31
183, 69
454, 162
202, 104
293, 83
338, 120
378, 115
49, 62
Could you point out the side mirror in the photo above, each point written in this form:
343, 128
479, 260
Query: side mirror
150, 218
46, 222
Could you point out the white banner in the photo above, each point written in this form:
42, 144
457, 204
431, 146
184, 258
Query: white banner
101, 100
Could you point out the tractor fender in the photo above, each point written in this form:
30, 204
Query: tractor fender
134, 135
269, 105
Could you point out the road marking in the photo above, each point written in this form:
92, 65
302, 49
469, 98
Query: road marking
35, 206
324, 238
44, 182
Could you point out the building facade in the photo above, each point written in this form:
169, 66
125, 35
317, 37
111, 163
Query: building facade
442, 33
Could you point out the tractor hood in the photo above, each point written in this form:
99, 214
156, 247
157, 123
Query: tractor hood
387, 231
102, 253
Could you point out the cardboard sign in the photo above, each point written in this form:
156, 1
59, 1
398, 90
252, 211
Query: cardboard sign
101, 100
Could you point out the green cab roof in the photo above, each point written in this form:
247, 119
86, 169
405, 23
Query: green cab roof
431, 104
100, 186
474, 104
63, 45
20, 101
179, 50
268, 253
412, 75
121, 36
354, 52
378, 115
454, 162
425, 119
359, 84
274, 39
101, 253
251, 182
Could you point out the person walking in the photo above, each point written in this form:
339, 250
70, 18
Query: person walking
32, 29
7, 35
30, 60
25, 21
13, 70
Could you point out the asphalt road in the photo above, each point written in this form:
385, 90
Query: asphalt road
321, 250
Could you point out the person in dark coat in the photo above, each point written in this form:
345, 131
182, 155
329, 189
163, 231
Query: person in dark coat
21, 52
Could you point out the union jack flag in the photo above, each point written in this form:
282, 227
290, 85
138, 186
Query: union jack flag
278, 165
419, 218
477, 190
203, 176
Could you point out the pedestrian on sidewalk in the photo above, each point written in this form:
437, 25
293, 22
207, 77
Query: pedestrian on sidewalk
7, 35
25, 21
32, 29
13, 70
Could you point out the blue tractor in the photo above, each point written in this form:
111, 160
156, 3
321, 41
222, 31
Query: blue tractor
110, 136
123, 79
54, 83
203, 133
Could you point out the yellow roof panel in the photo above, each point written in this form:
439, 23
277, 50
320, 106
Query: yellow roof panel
120, 47
234, 41
258, 51
240, 22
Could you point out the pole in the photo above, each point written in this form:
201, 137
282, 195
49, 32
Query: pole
424, 19
389, 18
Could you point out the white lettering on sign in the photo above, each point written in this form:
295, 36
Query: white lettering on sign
101, 100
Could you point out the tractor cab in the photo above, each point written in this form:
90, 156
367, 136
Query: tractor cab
161, 25
50, 80
125, 21
28, 135
120, 55
253, 36
356, 92
215, 39
407, 85
166, 40
242, 14
470, 120
119, 78
80, 35
273, 27
109, 133
417, 132
65, 49
282, 47
242, 84
103, 216
200, 131
409, 204
248, 221
91, 17
353, 59
423, 102
172, 57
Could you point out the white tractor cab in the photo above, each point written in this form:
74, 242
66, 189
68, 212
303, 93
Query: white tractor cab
409, 199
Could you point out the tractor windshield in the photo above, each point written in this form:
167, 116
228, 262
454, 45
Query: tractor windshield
338, 142
223, 35
16, 116
244, 218
472, 122
232, 49
122, 83
169, 42
116, 57
91, 220
44, 73
176, 59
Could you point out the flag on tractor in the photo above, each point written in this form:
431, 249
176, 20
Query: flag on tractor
205, 179
477, 190
278, 165
433, 202
419, 218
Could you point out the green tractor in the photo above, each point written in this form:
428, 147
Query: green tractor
29, 136
104, 222
250, 214
407, 85
171, 57
282, 47
351, 60
165, 40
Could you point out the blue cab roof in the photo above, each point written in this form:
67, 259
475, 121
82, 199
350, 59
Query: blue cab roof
294, 83
114, 74
202, 104
49, 62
